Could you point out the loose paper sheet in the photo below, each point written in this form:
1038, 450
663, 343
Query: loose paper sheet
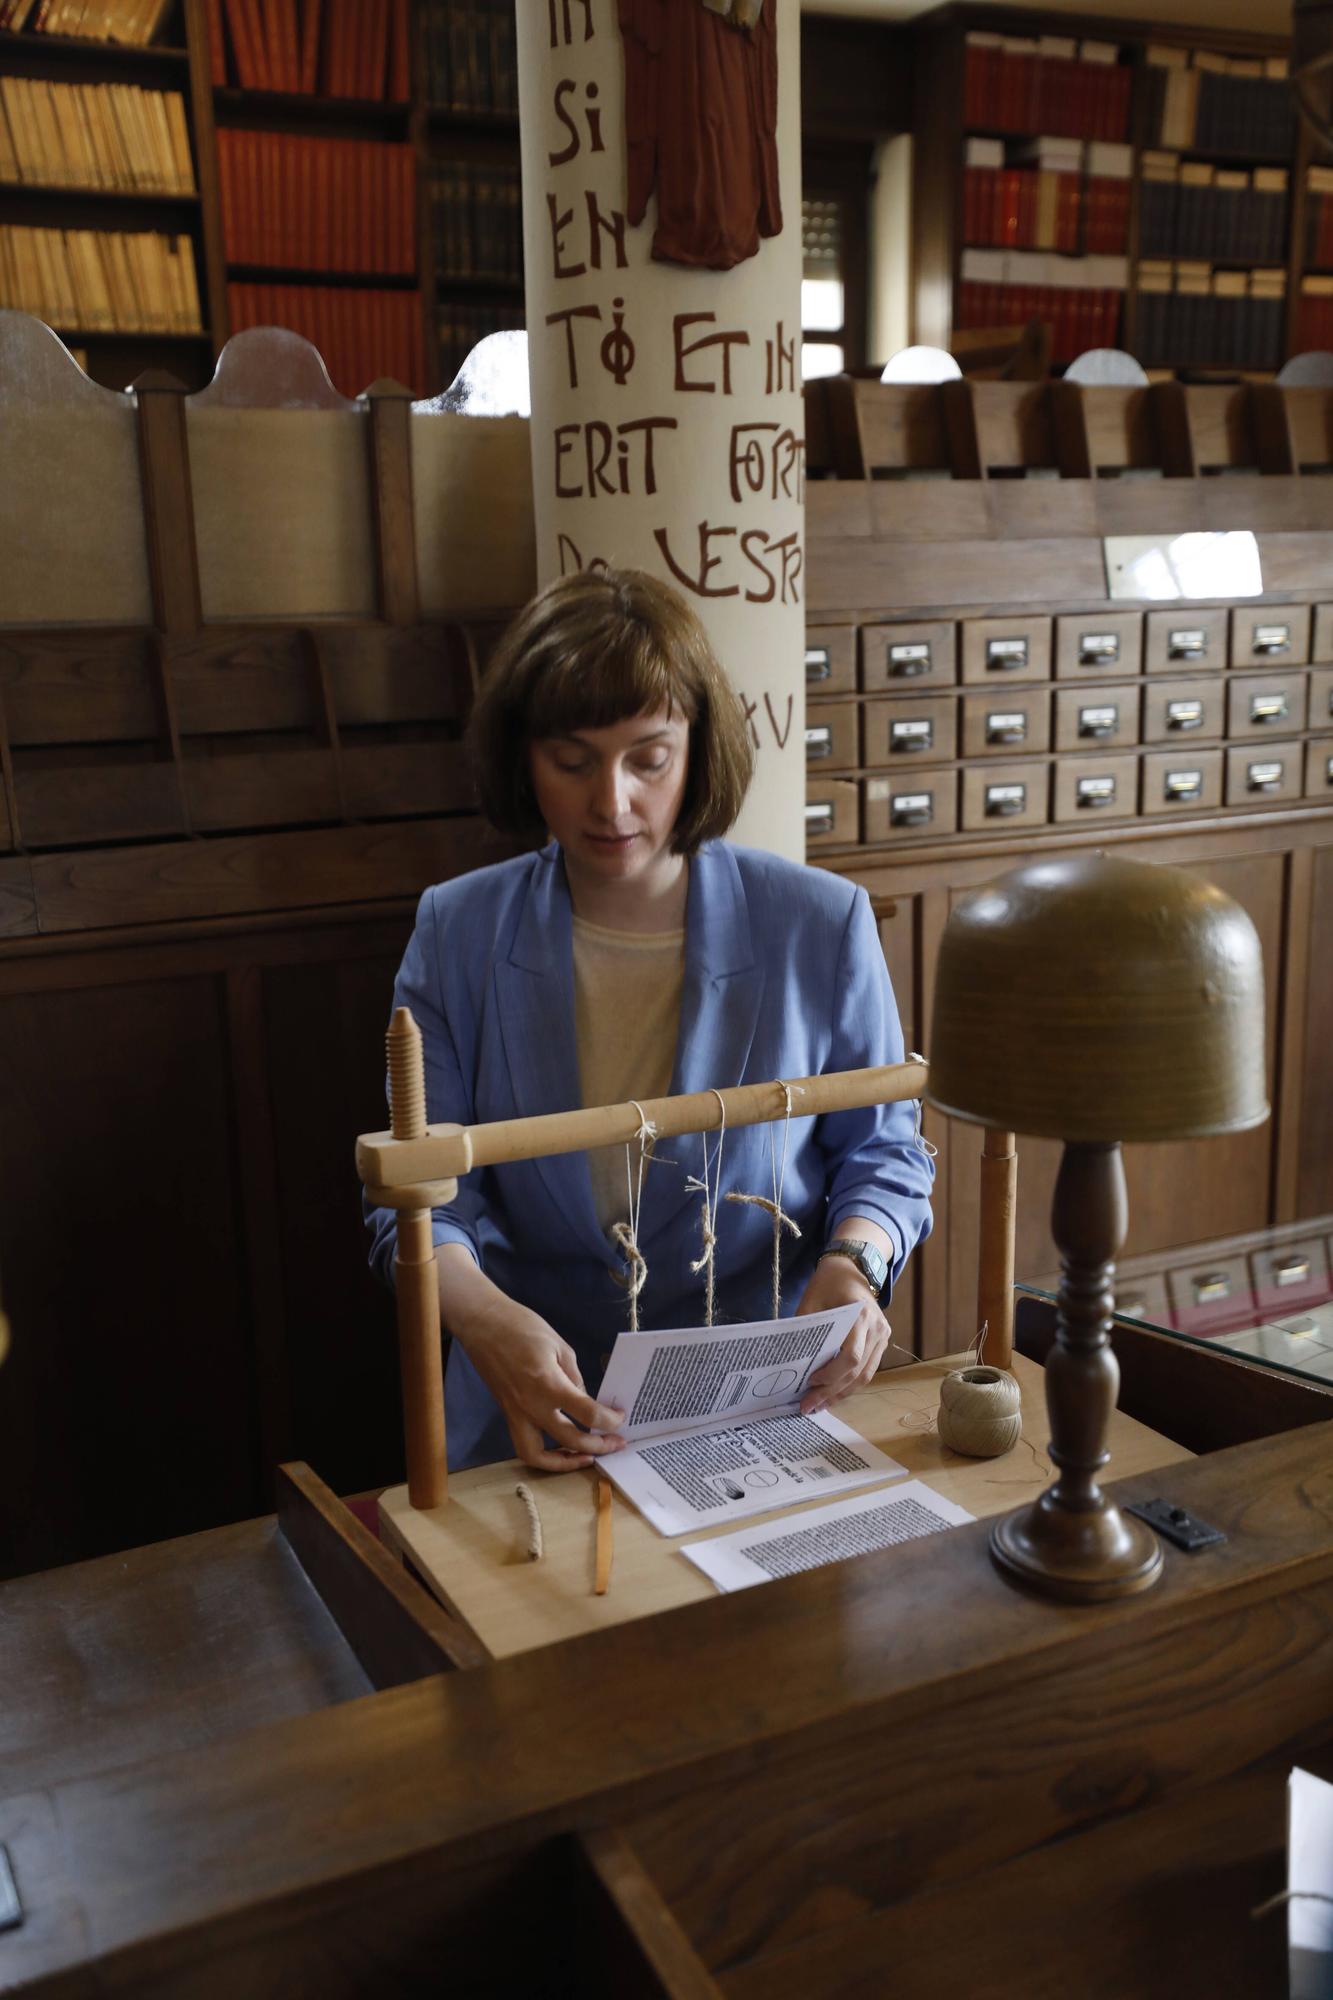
694, 1374
825, 1535
1310, 1879
714, 1425
690, 1478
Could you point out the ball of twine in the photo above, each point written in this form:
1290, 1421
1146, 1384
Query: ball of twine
980, 1412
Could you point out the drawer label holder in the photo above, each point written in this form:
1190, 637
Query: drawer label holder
819, 742
1183, 785
1269, 708
1189, 643
1263, 777
1098, 649
1184, 714
1004, 800
1004, 655
819, 818
911, 735
907, 660
1099, 791
1271, 639
818, 665
911, 808
1099, 721
1006, 726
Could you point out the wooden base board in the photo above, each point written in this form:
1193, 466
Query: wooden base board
472, 1552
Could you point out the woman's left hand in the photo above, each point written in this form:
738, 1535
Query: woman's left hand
837, 1282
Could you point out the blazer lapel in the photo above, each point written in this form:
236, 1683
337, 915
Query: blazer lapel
719, 1012
535, 992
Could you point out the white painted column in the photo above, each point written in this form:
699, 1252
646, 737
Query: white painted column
667, 429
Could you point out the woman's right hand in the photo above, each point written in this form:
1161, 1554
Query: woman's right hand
534, 1376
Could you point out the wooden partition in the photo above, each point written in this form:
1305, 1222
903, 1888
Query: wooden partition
230, 760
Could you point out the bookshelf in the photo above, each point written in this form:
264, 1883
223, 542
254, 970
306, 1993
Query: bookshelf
104, 223
1136, 192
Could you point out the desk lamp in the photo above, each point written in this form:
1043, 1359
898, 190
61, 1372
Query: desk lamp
1094, 1000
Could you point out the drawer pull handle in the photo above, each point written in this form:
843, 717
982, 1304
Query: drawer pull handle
1268, 708
1294, 1271
1263, 777
1006, 728
1328, 770
1215, 1285
907, 660
1184, 715
819, 819
1187, 645
1272, 639
818, 665
1096, 792
912, 809
1184, 785
1099, 721
818, 743
911, 735
1005, 656
1098, 649
1004, 800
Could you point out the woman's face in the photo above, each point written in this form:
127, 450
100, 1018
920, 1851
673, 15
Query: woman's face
612, 796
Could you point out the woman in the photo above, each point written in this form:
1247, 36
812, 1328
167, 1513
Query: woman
639, 955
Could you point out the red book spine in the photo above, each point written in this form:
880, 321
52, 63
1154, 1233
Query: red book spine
407, 168
377, 47
240, 41
309, 67
400, 54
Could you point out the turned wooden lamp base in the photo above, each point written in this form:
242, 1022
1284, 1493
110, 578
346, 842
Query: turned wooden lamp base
1108, 1554
1073, 1542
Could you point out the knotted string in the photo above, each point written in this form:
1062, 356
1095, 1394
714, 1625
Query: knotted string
774, 1207
709, 1216
625, 1235
922, 1142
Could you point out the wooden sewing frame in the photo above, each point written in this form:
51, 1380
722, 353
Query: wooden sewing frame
467, 1537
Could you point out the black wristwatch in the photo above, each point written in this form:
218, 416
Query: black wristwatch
870, 1262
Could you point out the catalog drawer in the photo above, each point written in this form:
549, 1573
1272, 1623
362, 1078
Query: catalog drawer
922, 730
1093, 788
1105, 717
1143, 1298
1265, 704
1270, 635
921, 805
1287, 1276
1000, 650
998, 796
899, 657
1184, 711
998, 723
1180, 780
1098, 643
1258, 773
832, 733
832, 811
1209, 1296
830, 659
1178, 640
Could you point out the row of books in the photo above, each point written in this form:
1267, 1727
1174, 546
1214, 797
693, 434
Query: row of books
361, 333
329, 48
312, 204
477, 221
1188, 208
1314, 315
134, 21
1203, 319
101, 280
471, 59
1078, 298
1236, 105
1056, 205
98, 135
1319, 218
459, 328
1014, 83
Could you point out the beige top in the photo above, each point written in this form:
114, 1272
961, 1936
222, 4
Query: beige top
626, 1016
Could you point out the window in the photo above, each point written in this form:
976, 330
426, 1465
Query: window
823, 290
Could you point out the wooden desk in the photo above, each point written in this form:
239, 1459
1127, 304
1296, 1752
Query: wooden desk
473, 1550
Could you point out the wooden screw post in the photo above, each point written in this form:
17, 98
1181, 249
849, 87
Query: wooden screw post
416, 1284
995, 1275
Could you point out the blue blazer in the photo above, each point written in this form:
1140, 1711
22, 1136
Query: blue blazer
784, 977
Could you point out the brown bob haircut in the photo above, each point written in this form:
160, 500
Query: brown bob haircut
591, 650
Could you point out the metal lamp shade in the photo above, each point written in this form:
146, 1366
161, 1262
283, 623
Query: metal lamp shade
1092, 999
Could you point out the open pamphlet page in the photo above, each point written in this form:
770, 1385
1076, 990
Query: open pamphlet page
824, 1535
714, 1426
1309, 1886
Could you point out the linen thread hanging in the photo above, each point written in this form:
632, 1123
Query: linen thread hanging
774, 1207
625, 1235
708, 1219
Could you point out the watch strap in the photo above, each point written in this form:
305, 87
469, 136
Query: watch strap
870, 1262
